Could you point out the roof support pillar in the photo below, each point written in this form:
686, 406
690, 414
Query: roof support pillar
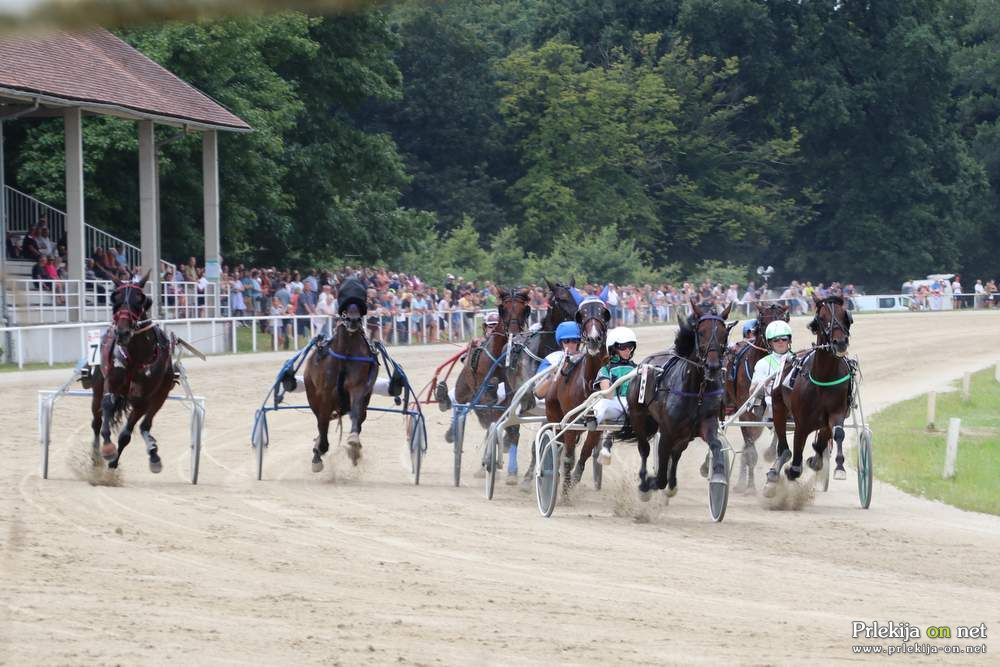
75, 236
149, 224
210, 180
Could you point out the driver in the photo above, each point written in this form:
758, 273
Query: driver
779, 339
621, 346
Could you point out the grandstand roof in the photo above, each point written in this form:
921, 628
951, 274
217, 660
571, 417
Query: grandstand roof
101, 73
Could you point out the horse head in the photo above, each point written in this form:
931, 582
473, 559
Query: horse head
593, 317
832, 324
771, 313
562, 304
352, 317
704, 335
129, 307
514, 309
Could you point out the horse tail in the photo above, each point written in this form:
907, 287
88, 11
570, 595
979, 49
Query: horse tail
119, 411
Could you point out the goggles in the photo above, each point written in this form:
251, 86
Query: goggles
782, 339
626, 346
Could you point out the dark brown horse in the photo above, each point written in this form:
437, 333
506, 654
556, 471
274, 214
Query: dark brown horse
339, 377
135, 377
739, 364
820, 398
514, 312
575, 383
686, 401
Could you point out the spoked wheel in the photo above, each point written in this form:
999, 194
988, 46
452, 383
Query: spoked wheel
458, 435
866, 473
418, 444
824, 474
718, 492
491, 459
597, 467
547, 475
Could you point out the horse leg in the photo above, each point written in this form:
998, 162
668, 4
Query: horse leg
96, 418
819, 446
642, 443
527, 480
511, 440
794, 470
670, 463
108, 449
749, 457
569, 457
588, 449
322, 442
838, 435
780, 414
710, 434
359, 405
125, 437
155, 465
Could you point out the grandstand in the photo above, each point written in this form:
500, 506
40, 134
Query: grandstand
69, 75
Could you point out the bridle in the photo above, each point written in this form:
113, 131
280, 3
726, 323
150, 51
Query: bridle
137, 322
826, 329
702, 359
600, 318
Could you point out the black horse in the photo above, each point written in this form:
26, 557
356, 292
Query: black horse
135, 377
686, 400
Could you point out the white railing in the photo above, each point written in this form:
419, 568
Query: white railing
24, 212
31, 301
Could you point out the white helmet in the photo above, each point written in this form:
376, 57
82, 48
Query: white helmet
620, 336
778, 329
491, 317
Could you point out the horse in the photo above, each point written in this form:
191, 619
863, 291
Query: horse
339, 377
686, 400
135, 377
575, 383
514, 312
821, 400
740, 363
527, 351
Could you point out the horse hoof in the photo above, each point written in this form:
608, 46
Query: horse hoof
770, 489
512, 479
793, 472
317, 466
354, 439
770, 453
644, 496
671, 491
108, 451
449, 437
526, 485
354, 453
840, 473
815, 462
704, 469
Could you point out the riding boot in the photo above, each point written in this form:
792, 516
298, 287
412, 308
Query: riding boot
441, 395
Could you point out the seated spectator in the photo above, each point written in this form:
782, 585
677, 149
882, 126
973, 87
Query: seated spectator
40, 272
13, 251
45, 245
29, 246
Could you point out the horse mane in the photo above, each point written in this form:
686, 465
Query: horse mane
685, 340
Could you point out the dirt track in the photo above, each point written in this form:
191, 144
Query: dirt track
359, 566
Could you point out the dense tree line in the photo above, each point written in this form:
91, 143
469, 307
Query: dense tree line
626, 141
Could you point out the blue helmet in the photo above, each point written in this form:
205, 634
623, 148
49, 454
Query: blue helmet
567, 331
749, 326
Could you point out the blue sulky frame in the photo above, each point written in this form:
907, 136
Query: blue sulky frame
407, 405
459, 411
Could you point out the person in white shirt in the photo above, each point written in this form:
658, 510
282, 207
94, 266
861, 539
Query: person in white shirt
779, 339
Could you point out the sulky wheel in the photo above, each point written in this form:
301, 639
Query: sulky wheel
418, 444
458, 437
718, 493
547, 475
491, 459
866, 473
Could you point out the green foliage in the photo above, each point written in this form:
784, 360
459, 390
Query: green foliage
604, 256
721, 272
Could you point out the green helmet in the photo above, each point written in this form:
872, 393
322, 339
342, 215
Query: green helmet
778, 329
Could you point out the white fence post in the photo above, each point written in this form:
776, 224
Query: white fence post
967, 386
951, 453
996, 372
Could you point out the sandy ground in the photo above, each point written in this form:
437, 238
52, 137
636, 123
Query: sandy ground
360, 566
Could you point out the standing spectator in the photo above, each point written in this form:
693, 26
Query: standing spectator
326, 308
419, 309
190, 271
45, 245
306, 305
979, 292
201, 287
277, 325
120, 255
613, 300
956, 292
313, 281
